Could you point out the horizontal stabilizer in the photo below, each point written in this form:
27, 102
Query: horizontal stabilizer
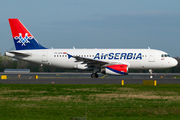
22, 54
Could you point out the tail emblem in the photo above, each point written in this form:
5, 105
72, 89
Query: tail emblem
23, 40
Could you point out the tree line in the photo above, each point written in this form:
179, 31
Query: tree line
9, 63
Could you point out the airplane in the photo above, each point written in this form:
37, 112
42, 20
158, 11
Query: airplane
106, 61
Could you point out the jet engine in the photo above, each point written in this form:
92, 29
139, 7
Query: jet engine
117, 69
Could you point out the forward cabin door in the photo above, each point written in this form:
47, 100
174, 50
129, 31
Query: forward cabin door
45, 56
151, 56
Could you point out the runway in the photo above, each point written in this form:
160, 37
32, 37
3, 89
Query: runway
84, 78
87, 81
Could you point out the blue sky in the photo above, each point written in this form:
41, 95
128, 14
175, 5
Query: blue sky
96, 23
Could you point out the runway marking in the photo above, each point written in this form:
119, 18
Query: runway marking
104, 76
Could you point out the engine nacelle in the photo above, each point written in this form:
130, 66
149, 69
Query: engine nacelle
118, 69
83, 67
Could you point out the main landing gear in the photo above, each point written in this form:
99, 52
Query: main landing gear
94, 75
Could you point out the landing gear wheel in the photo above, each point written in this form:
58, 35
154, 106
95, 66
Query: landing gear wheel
150, 71
151, 76
94, 75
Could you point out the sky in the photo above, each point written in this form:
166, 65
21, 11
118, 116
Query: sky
95, 23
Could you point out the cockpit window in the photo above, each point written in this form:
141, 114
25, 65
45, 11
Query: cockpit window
165, 55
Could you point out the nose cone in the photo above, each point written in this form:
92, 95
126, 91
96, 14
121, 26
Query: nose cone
175, 62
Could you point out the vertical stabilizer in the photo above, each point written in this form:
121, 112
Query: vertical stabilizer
23, 39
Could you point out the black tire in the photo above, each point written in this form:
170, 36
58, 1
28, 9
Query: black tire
94, 75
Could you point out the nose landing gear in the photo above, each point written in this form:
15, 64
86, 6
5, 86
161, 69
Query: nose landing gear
150, 71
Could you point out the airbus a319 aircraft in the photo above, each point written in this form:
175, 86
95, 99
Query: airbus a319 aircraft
106, 61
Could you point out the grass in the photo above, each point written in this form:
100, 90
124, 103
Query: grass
93, 102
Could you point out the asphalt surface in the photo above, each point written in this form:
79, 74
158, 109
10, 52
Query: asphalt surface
84, 78
87, 81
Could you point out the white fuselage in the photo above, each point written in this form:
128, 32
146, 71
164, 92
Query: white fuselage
134, 58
